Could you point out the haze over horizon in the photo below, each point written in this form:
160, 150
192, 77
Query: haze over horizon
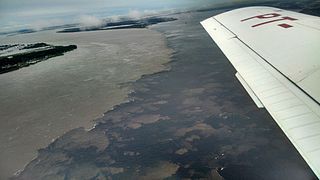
36, 14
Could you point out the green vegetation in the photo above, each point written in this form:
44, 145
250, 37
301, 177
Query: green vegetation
33, 53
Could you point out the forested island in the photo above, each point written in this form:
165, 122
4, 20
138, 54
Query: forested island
122, 24
16, 56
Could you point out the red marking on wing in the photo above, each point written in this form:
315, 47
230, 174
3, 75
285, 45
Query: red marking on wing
285, 25
264, 16
283, 18
271, 15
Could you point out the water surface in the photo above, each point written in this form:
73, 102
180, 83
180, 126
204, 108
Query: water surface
41, 102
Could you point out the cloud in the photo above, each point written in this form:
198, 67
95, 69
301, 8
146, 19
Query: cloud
87, 21
114, 18
135, 14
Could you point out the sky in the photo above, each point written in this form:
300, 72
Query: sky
36, 14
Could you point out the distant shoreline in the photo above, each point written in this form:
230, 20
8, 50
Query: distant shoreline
123, 24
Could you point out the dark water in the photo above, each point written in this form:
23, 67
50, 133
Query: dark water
191, 122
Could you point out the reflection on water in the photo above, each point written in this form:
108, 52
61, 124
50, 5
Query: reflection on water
41, 102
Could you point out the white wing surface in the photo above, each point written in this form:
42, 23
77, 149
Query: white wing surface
277, 57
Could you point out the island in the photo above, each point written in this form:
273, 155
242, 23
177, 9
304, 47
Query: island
16, 56
121, 24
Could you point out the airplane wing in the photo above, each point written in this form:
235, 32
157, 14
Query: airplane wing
277, 57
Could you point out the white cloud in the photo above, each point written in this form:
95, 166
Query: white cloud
87, 21
135, 14
114, 18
